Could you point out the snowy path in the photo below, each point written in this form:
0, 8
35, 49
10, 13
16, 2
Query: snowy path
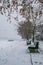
14, 53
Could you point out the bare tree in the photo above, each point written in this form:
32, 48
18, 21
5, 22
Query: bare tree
25, 30
41, 1
32, 10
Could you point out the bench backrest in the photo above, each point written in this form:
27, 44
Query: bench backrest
37, 44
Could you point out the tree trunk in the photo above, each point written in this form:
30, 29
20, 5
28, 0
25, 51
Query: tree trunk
33, 35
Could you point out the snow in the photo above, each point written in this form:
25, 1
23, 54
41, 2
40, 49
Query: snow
13, 53
38, 59
20, 17
13, 49
19, 7
6, 30
0, 4
19, 1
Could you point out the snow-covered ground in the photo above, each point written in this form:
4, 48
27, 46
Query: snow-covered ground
15, 53
8, 31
